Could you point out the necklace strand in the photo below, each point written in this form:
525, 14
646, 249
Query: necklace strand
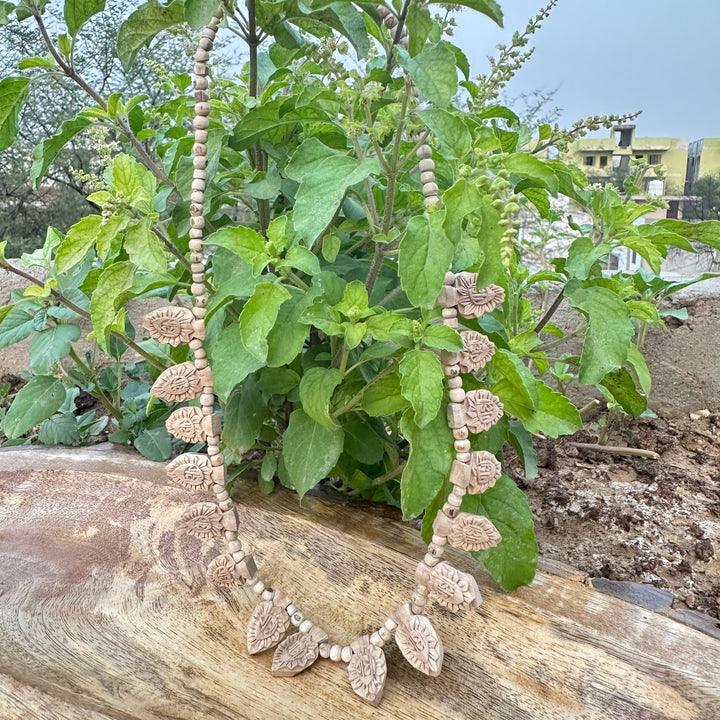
472, 472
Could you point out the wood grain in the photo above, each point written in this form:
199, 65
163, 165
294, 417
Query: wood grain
105, 606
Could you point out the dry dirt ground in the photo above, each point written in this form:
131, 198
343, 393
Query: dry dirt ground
633, 518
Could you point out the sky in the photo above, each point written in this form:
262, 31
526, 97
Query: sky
615, 56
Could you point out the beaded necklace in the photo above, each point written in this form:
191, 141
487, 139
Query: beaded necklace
472, 472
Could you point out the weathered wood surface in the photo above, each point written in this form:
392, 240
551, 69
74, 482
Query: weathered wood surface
105, 607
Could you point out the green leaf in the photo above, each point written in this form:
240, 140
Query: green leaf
322, 191
521, 440
555, 415
451, 130
13, 91
303, 259
268, 468
308, 157
424, 258
232, 362
383, 397
243, 242
637, 362
433, 72
582, 256
442, 337
51, 344
486, 7
529, 166
278, 381
60, 429
287, 338
16, 325
258, 317
47, 150
645, 311
622, 387
707, 232
244, 414
513, 383
143, 25
330, 247
428, 465
364, 440
316, 389
37, 401
419, 24
144, 246
107, 299
154, 444
391, 327
135, 181
78, 11
310, 451
513, 562
609, 334
459, 200
422, 383
199, 12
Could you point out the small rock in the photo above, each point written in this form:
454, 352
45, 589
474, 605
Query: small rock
704, 550
696, 531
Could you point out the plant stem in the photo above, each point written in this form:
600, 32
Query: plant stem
350, 404
82, 313
398, 33
550, 312
615, 450
587, 408
98, 394
389, 475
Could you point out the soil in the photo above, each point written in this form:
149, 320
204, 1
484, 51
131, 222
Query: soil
634, 518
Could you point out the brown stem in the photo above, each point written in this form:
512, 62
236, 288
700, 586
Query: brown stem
398, 33
550, 312
82, 313
615, 450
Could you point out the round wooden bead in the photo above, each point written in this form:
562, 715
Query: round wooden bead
206, 43
199, 354
196, 236
439, 540
200, 69
200, 162
197, 288
376, 640
200, 83
201, 300
384, 633
450, 312
222, 495
424, 152
201, 137
463, 457
457, 395
435, 550
382, 11
239, 556
202, 109
201, 122
207, 399
200, 174
305, 626
225, 504
324, 649
419, 599
426, 165
217, 460
235, 546
213, 439
199, 312
431, 201
346, 654
427, 177
455, 382
454, 500
199, 148
230, 536
336, 653
268, 594
450, 510
390, 624
197, 196
259, 587
196, 257
195, 344
291, 609
451, 370
390, 22
198, 277
202, 56
458, 491
462, 446
297, 618
461, 433
197, 267
430, 189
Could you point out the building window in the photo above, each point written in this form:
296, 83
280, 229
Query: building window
616, 161
589, 160
603, 161
639, 157
655, 159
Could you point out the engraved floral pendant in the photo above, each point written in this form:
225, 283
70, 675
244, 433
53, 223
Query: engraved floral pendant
223, 572
268, 623
367, 670
172, 325
297, 652
477, 350
448, 586
178, 383
192, 471
203, 520
186, 424
485, 471
418, 641
472, 302
472, 532
482, 410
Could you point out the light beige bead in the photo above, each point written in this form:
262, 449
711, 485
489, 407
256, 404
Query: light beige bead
196, 257
324, 650
424, 152
457, 395
427, 177
235, 546
385, 634
199, 312
346, 654
201, 137
459, 491
259, 587
207, 399
199, 148
197, 267
202, 108
462, 446
213, 451
197, 196
200, 174
200, 83
451, 370
305, 626
291, 609
195, 344
429, 189
439, 540
390, 624
201, 301
376, 640
225, 504
461, 433
198, 184
196, 235
431, 201
419, 599
449, 278
450, 510
455, 382
230, 536
427, 164
201, 362
201, 122
268, 594
454, 500
463, 457
297, 618
200, 162
390, 22
198, 277
217, 460
336, 653
223, 495
197, 288
430, 560
382, 11
239, 556
202, 56
213, 440
206, 43
200, 69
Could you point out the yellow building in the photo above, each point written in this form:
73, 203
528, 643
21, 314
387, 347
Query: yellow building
683, 162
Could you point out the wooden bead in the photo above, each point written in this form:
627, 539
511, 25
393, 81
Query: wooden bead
447, 297
200, 174
376, 640
424, 152
239, 556
199, 148
196, 257
200, 83
430, 189
428, 165
197, 196
449, 358
202, 109
390, 624
201, 138
200, 69
383, 11
460, 433
450, 510
463, 457
346, 654
217, 460
213, 450
199, 312
455, 382
202, 56
197, 267
305, 626
462, 446
297, 618
336, 653
427, 177
384, 633
435, 550
201, 300
449, 312
259, 587
198, 184
235, 546
229, 536
390, 22
198, 277
200, 162
206, 43
324, 650
430, 201
223, 495
196, 243
451, 370
454, 500
430, 560
207, 399
457, 395
197, 288
268, 594
439, 540
291, 609
225, 504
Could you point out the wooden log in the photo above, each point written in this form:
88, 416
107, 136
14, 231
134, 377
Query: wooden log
105, 606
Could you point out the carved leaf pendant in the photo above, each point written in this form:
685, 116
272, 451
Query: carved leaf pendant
173, 325
450, 587
418, 641
178, 383
203, 520
268, 623
297, 652
186, 424
192, 471
473, 533
223, 572
367, 670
